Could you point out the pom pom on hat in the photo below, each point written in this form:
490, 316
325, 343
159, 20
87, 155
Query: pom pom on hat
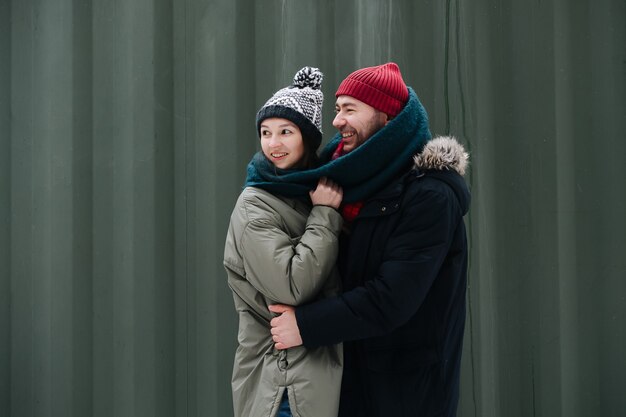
308, 77
301, 103
381, 87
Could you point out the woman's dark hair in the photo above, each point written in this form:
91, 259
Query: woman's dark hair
309, 159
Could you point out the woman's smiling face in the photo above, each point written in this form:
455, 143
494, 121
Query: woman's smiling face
281, 142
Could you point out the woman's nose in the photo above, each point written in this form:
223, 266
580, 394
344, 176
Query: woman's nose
274, 142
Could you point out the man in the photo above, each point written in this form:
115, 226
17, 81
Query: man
403, 261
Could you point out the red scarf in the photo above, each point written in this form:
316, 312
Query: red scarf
349, 211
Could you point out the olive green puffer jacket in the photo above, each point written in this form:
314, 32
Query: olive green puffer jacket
280, 250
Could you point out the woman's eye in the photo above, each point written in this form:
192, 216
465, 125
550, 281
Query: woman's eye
265, 133
286, 131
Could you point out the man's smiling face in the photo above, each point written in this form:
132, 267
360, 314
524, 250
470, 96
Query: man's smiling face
356, 121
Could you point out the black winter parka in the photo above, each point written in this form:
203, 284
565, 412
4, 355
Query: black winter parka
402, 313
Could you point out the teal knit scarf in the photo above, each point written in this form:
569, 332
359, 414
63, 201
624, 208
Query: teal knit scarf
361, 172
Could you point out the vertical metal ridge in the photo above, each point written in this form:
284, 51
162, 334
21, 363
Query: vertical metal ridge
5, 208
82, 202
446, 68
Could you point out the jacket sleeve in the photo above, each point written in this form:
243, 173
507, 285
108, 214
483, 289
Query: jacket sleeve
286, 270
412, 258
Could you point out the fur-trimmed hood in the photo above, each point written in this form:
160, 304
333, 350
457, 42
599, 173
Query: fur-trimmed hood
442, 156
442, 153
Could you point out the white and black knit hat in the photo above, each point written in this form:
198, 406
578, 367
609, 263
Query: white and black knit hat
301, 103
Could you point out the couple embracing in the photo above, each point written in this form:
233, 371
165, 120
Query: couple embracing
349, 267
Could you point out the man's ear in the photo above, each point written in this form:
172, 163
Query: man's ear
387, 118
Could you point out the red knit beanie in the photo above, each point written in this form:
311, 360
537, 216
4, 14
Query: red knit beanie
381, 87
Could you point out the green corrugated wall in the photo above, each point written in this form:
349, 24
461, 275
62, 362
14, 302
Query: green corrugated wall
125, 129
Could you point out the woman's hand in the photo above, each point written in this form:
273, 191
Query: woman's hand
327, 193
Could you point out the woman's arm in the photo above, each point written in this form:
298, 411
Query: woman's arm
293, 271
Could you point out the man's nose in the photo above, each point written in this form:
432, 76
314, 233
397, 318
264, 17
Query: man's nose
339, 121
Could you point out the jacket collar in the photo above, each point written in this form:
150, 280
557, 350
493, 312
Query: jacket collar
439, 158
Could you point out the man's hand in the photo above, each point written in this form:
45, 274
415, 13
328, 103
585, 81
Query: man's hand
285, 332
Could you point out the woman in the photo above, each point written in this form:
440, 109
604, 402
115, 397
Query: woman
281, 248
